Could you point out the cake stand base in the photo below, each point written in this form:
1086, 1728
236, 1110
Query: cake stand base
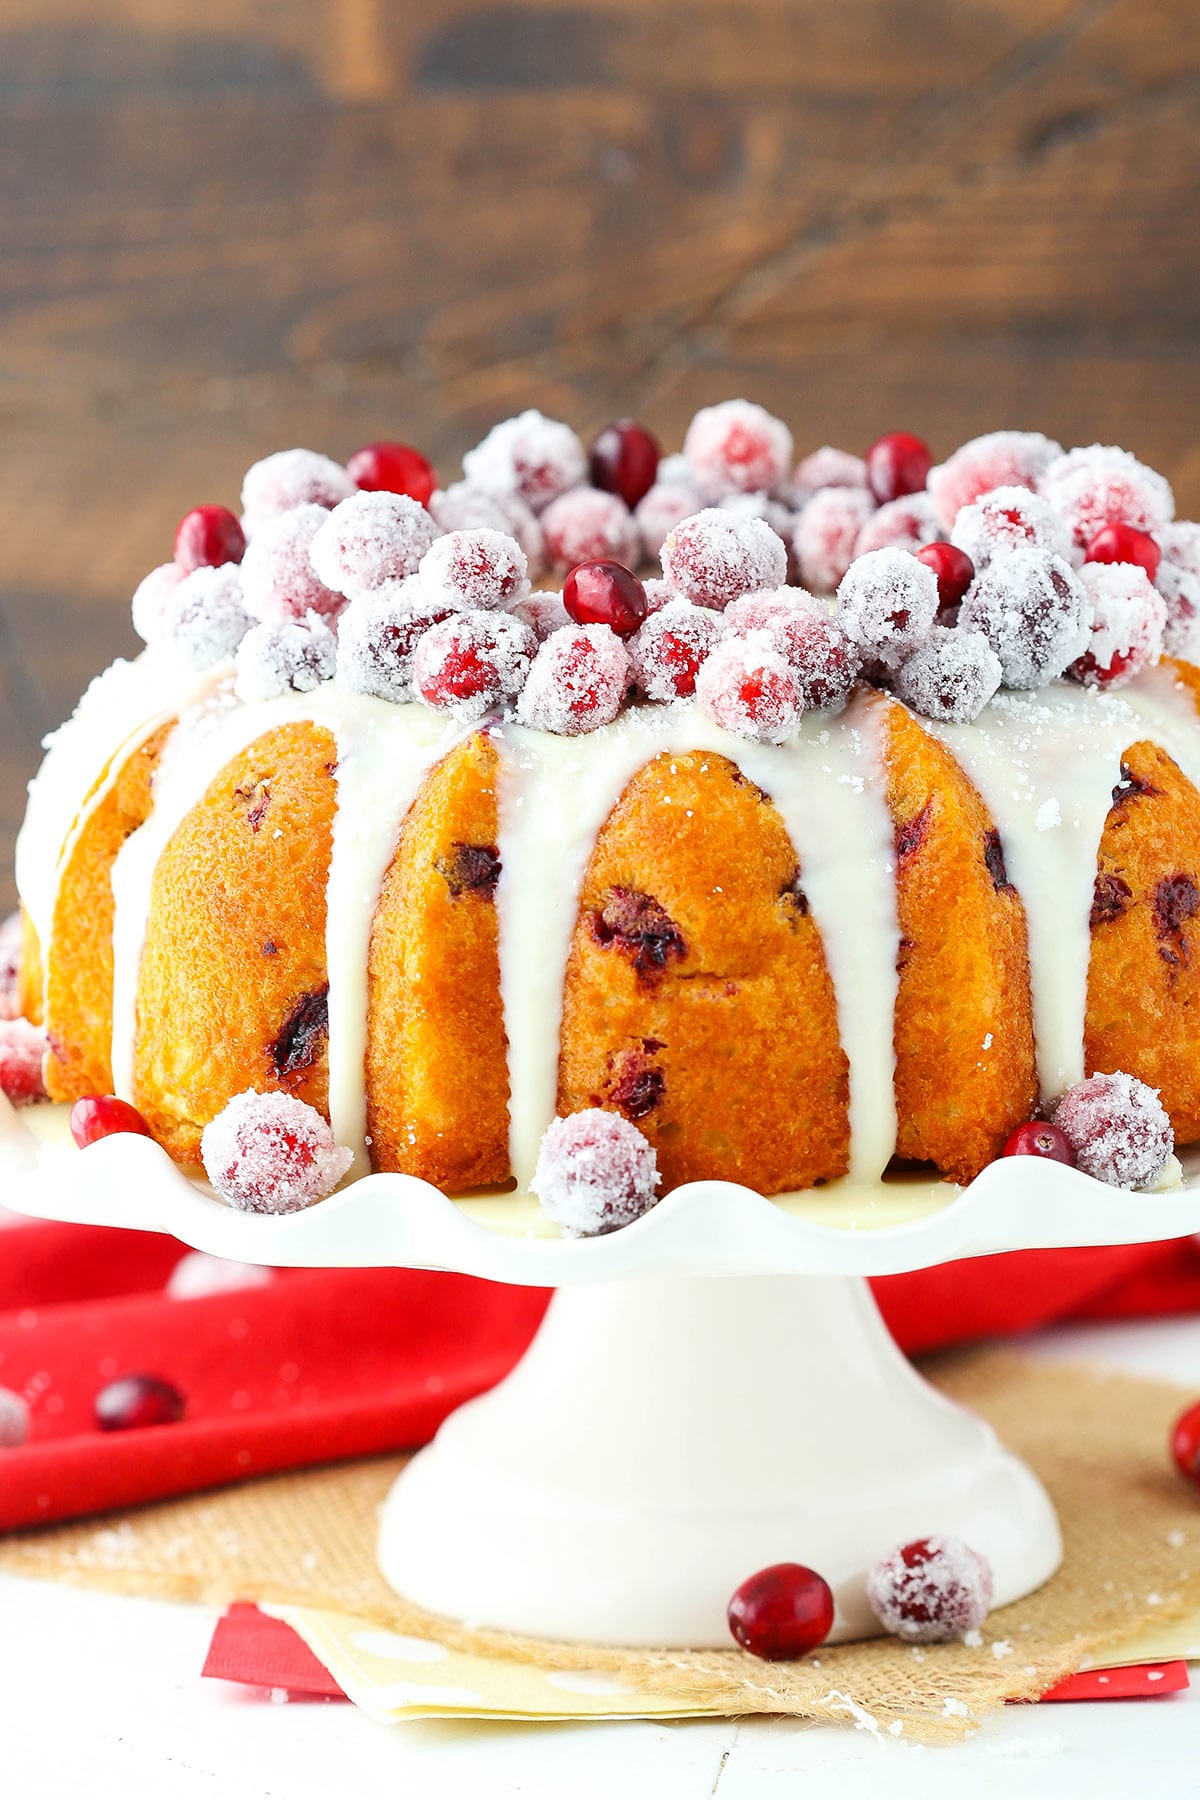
663, 1439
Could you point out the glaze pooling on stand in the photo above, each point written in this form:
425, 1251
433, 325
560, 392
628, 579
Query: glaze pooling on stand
555, 795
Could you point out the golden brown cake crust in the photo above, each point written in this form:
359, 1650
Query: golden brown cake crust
79, 976
436, 1071
697, 998
1143, 1006
965, 1064
232, 991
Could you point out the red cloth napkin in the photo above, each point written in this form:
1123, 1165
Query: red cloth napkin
324, 1364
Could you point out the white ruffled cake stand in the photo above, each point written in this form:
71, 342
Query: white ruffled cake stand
712, 1389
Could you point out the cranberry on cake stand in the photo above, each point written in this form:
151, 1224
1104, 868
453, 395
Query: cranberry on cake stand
712, 1390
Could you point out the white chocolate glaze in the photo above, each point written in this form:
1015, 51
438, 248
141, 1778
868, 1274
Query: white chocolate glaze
1045, 765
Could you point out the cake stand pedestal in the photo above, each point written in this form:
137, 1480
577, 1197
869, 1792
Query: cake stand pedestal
712, 1390
662, 1440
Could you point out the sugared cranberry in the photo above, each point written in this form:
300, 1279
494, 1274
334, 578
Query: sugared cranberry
954, 570
1000, 459
670, 648
714, 557
1038, 1138
471, 661
1118, 1128
751, 689
207, 537
1129, 622
272, 1153
595, 1173
1124, 544
931, 1591
825, 534
605, 593
22, 1051
103, 1115
782, 1612
624, 460
578, 681
1185, 1443
134, 1401
737, 447
1104, 485
897, 464
393, 469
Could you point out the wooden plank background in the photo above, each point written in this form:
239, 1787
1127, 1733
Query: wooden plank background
228, 229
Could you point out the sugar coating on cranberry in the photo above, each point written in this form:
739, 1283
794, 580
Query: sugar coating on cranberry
887, 602
472, 661
997, 459
15, 1420
825, 533
659, 593
531, 456
670, 647
1104, 485
288, 479
662, 508
1118, 1128
1033, 611
760, 505
22, 1050
951, 676
932, 1591
376, 642
371, 543
543, 611
206, 617
587, 525
279, 579
10, 966
464, 507
150, 598
904, 524
1180, 544
1129, 620
577, 682
737, 447
823, 659
749, 688
826, 467
595, 1173
1181, 591
284, 656
272, 1153
197, 1275
713, 558
474, 570
1008, 519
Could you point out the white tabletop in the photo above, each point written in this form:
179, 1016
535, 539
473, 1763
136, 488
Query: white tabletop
102, 1696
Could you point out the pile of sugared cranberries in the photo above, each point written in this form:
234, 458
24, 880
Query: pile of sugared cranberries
272, 1153
1118, 1129
595, 1173
931, 1591
1012, 563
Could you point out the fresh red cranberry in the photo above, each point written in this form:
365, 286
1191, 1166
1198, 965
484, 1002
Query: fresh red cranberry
207, 537
624, 460
1185, 1443
897, 464
1124, 544
782, 1612
133, 1401
393, 469
954, 570
103, 1115
1040, 1139
605, 593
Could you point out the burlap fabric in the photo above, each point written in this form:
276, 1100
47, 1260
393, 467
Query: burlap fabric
1098, 1440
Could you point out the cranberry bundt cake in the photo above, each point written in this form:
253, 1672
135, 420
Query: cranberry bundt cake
857, 835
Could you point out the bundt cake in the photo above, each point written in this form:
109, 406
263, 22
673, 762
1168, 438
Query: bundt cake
802, 881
